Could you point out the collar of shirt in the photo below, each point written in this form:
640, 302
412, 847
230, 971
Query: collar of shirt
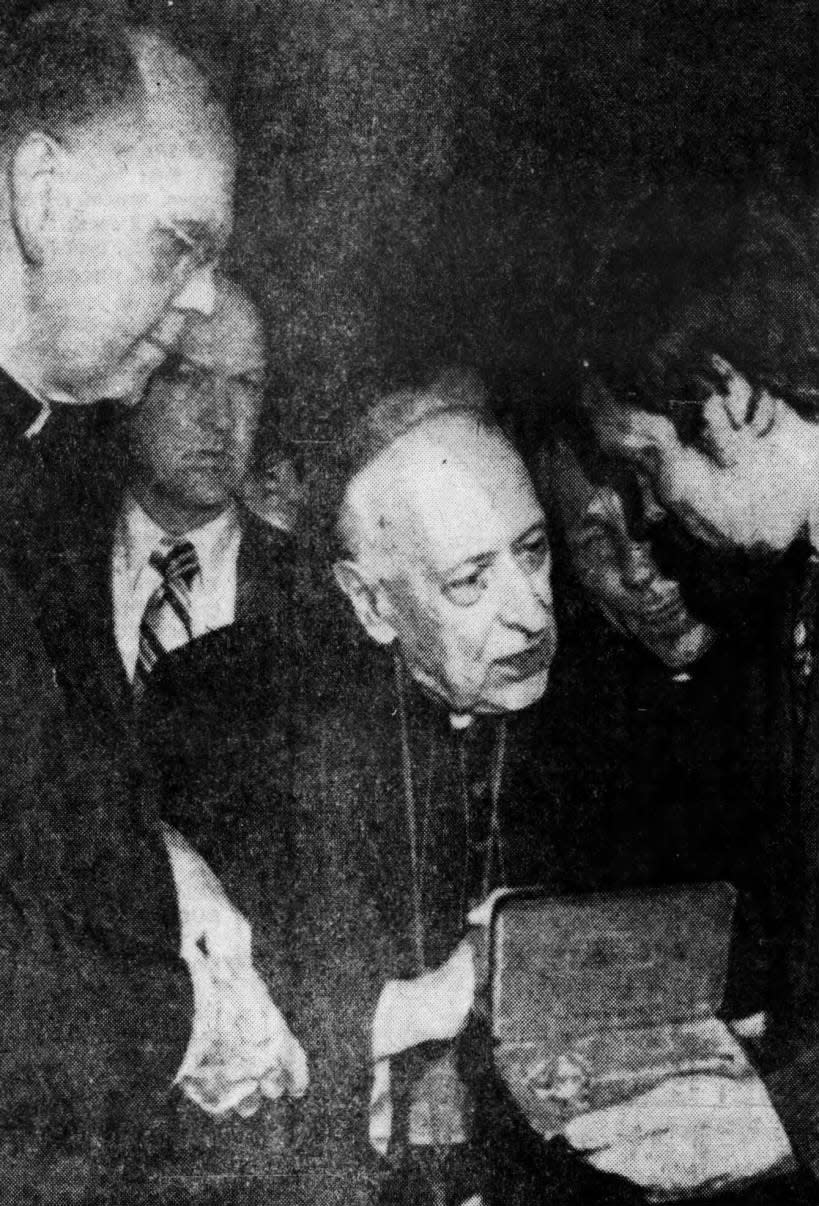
137, 536
33, 395
133, 579
44, 398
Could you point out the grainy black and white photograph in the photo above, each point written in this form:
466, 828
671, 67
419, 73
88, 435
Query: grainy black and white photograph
409, 602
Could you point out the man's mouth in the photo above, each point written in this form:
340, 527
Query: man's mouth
666, 616
208, 456
530, 661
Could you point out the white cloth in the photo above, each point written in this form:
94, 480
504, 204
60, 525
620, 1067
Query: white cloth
241, 1048
134, 579
431, 1008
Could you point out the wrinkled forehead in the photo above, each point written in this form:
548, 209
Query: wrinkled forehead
230, 340
450, 490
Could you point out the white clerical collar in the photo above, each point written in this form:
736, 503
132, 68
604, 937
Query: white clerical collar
47, 399
138, 536
460, 720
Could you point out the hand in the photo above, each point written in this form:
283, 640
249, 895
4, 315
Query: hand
688, 1134
433, 1006
241, 1048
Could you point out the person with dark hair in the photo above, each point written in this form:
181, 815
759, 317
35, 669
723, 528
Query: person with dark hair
706, 336
178, 462
652, 711
118, 168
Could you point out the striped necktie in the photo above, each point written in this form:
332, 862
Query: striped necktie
166, 621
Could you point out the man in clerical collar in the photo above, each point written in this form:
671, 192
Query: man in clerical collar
421, 785
447, 560
118, 168
117, 201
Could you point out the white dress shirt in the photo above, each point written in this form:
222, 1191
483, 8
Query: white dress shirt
134, 579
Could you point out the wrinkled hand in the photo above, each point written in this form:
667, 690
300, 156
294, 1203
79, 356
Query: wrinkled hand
241, 1049
688, 1134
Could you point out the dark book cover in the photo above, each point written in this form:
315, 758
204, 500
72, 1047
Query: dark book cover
598, 998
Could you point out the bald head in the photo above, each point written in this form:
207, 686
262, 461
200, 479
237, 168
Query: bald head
414, 486
448, 558
117, 201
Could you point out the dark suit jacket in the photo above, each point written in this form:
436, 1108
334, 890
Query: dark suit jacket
665, 781
192, 744
74, 609
94, 1003
792, 856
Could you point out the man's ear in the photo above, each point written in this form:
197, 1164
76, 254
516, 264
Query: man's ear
34, 172
366, 601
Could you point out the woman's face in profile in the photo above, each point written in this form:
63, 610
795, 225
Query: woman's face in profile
617, 569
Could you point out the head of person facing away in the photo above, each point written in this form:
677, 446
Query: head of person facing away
191, 438
116, 199
706, 335
444, 551
600, 521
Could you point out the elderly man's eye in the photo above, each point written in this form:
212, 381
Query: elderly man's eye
535, 552
193, 248
466, 591
251, 385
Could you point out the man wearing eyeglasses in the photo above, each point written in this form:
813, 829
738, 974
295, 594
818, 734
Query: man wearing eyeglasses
118, 168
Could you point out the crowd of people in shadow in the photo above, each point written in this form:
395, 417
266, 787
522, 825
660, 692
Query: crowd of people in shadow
265, 758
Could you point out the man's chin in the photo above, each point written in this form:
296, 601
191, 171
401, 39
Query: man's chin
515, 696
129, 380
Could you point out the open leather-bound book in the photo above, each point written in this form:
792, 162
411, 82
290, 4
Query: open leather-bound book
598, 998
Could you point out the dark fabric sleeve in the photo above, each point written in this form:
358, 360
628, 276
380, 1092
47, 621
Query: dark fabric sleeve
345, 952
94, 1002
794, 1091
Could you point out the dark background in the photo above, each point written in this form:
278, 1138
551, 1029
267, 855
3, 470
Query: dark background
429, 180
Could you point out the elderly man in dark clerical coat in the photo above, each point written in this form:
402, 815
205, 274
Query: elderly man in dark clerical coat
418, 792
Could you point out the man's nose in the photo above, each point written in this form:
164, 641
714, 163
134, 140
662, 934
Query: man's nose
652, 512
199, 294
214, 406
637, 568
528, 601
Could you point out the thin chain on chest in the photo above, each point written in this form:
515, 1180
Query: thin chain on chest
489, 849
